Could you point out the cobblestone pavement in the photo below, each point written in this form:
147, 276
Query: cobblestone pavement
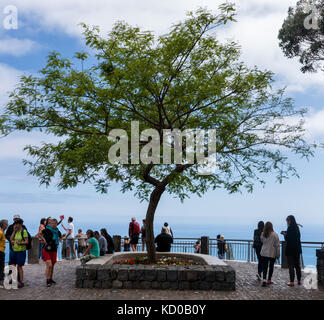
247, 287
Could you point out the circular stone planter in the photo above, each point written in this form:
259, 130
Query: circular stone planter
212, 274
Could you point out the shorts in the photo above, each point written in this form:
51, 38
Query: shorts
18, 258
69, 243
49, 256
81, 249
134, 239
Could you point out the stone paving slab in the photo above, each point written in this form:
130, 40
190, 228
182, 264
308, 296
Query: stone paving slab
247, 287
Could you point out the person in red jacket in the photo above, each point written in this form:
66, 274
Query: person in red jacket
134, 232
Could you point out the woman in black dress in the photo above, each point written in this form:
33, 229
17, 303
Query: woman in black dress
293, 250
257, 245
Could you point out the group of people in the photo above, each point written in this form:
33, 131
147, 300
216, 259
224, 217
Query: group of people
221, 246
163, 240
94, 244
267, 248
90, 245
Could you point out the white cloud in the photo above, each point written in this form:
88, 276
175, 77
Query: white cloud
12, 146
17, 47
9, 78
256, 30
257, 33
314, 124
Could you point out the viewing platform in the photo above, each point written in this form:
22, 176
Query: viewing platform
247, 287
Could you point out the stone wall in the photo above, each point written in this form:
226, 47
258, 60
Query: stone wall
204, 277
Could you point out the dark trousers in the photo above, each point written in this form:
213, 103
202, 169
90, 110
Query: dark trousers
294, 263
268, 263
2, 265
260, 266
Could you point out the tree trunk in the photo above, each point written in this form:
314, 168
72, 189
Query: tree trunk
154, 200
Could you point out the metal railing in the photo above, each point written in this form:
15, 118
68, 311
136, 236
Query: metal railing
242, 250
237, 249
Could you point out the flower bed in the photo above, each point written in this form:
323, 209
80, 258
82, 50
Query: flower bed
162, 261
131, 271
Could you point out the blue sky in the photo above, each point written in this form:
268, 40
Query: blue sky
53, 25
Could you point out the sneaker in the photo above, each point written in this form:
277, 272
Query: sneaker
258, 276
269, 282
299, 282
20, 285
52, 281
264, 283
48, 283
290, 284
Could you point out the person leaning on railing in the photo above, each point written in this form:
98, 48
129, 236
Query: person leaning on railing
197, 247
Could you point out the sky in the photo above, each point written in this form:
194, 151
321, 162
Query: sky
54, 25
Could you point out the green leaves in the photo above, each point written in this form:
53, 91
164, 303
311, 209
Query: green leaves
185, 79
305, 43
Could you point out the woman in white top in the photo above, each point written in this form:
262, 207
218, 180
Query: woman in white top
270, 251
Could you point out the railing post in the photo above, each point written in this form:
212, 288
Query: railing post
320, 267
33, 253
249, 251
284, 261
63, 253
204, 247
117, 243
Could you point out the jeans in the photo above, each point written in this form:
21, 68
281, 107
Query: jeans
2, 265
294, 263
257, 252
40, 251
268, 262
221, 255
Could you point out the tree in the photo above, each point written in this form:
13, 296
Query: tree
302, 35
185, 79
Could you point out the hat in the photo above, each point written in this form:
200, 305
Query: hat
16, 216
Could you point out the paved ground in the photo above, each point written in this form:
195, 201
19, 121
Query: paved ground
247, 287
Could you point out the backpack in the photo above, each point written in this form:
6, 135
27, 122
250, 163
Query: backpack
28, 245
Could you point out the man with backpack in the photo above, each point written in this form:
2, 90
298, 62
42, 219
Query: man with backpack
19, 241
134, 232
10, 231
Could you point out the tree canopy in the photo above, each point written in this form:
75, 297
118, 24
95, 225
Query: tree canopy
185, 79
297, 39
